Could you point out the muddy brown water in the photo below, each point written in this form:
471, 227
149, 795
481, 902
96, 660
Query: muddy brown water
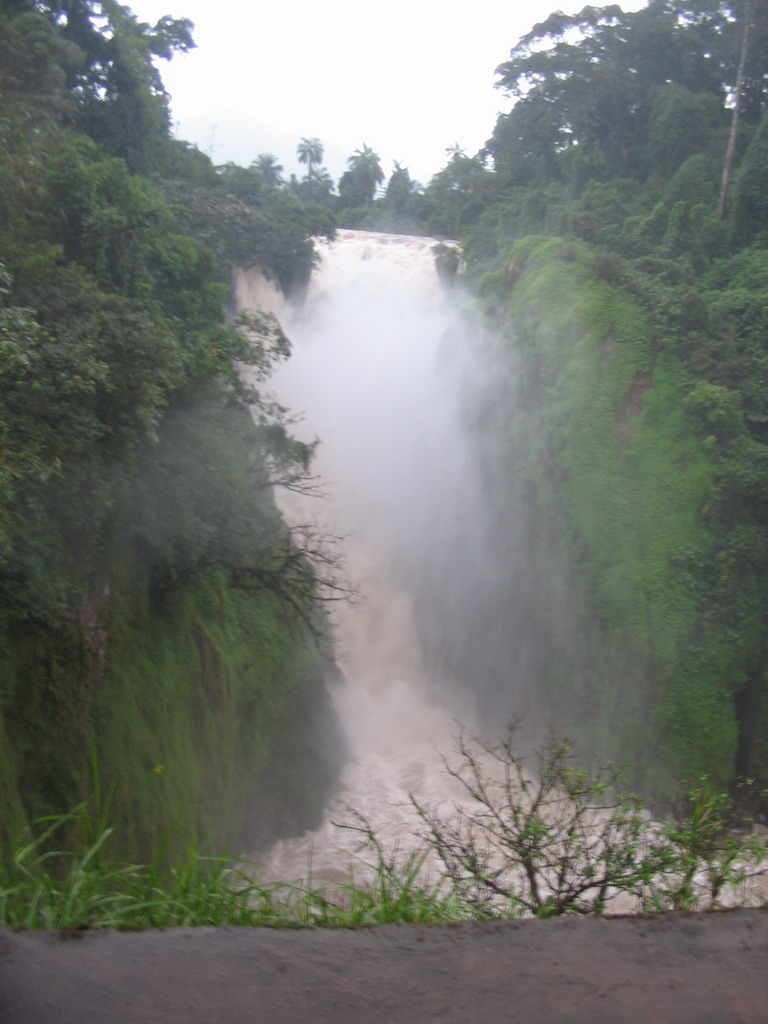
686, 968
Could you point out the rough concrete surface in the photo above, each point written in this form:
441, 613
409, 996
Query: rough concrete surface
687, 968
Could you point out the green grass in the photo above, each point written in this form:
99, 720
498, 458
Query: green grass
523, 847
40, 888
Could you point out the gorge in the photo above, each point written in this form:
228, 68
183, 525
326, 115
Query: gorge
549, 480
497, 585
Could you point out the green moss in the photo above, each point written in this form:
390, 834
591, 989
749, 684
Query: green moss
230, 674
211, 722
621, 482
205, 705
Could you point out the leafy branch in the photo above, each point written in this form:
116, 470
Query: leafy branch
563, 840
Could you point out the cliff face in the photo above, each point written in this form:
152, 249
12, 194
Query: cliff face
199, 708
635, 600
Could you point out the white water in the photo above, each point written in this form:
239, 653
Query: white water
370, 376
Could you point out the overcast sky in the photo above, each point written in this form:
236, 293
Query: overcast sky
407, 77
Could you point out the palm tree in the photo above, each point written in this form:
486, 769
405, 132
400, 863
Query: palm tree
317, 189
399, 188
455, 151
310, 152
270, 169
365, 171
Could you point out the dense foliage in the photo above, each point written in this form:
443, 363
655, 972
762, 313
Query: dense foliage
616, 227
146, 609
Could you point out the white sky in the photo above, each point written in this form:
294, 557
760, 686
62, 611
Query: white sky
407, 77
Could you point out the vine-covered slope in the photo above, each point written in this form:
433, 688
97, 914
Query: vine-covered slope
653, 625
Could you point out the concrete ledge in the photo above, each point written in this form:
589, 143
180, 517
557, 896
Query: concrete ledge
656, 969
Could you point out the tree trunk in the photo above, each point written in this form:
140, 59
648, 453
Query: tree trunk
729, 154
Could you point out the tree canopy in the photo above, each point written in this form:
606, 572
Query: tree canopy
114, 287
358, 185
310, 152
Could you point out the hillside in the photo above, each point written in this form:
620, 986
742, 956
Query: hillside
162, 653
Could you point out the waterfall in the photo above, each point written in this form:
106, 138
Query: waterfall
437, 547
373, 375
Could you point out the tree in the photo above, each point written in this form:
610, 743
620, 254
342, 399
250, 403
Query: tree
527, 141
358, 185
680, 124
310, 152
247, 183
399, 189
585, 80
315, 189
579, 81
457, 195
270, 170
117, 91
455, 150
736, 112
750, 198
35, 66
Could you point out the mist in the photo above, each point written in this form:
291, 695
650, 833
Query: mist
387, 372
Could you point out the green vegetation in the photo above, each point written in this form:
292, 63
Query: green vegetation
83, 890
545, 842
622, 433
155, 609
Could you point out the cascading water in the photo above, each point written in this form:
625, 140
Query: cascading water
377, 372
372, 377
